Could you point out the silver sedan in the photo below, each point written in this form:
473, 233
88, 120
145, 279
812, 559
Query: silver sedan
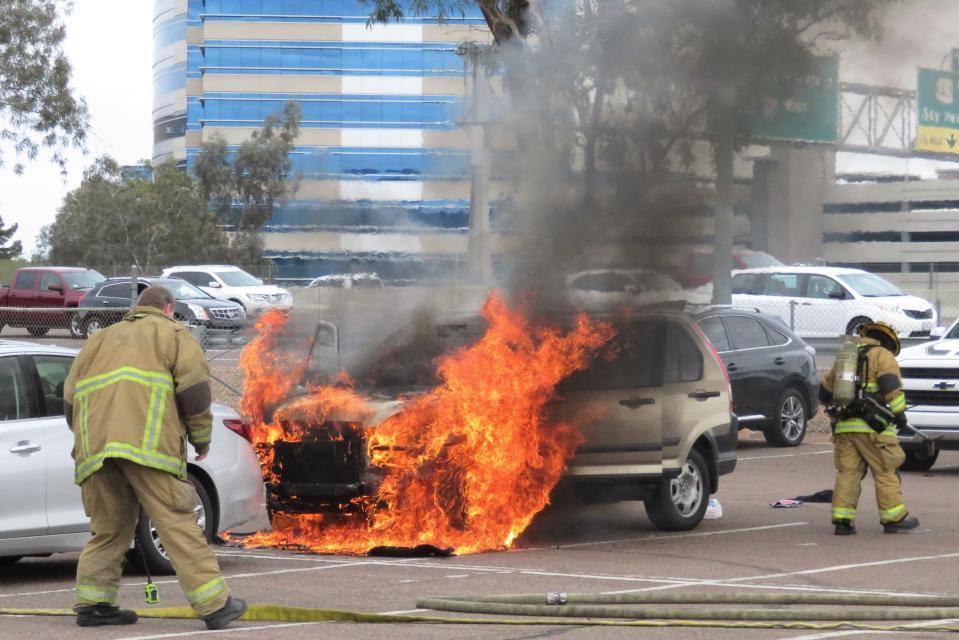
40, 508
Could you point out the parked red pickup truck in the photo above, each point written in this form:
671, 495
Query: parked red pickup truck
40, 290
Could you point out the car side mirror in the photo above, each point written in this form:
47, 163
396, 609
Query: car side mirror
214, 285
55, 287
260, 280
837, 295
937, 332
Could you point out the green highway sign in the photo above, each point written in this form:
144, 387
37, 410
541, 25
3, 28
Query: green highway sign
937, 107
807, 111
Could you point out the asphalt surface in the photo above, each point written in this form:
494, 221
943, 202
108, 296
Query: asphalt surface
600, 548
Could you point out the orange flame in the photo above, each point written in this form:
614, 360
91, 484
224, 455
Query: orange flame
466, 465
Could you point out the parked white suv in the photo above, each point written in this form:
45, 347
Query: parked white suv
824, 302
930, 378
226, 282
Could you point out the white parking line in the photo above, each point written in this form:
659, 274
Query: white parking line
698, 534
787, 455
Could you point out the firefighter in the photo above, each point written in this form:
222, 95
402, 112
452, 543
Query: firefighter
864, 437
136, 393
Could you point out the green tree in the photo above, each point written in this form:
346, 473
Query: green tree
111, 224
13, 250
37, 106
244, 187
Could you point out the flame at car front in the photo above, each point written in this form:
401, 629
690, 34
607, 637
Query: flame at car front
465, 465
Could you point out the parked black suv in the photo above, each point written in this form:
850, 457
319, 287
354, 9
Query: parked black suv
111, 299
771, 369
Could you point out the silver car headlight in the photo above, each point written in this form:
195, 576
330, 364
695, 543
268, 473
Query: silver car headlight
198, 311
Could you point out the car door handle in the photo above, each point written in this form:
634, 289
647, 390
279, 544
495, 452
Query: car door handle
636, 403
780, 361
731, 366
704, 395
24, 447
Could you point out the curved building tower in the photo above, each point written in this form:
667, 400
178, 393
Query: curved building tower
382, 161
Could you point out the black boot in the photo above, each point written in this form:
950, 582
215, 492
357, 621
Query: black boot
95, 615
220, 619
844, 527
906, 524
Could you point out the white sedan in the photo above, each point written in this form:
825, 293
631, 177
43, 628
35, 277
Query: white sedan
41, 508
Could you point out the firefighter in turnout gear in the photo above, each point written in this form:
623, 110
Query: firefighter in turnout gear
865, 430
136, 393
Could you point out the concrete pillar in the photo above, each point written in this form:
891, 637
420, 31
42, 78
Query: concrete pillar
788, 201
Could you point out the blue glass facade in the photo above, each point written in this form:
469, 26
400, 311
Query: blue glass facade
381, 148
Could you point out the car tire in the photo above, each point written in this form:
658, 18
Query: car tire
92, 325
855, 323
38, 332
8, 560
153, 553
77, 326
790, 419
679, 503
919, 460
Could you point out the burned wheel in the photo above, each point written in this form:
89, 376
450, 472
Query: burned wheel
679, 503
919, 459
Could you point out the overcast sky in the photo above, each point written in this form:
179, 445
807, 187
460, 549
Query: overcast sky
110, 44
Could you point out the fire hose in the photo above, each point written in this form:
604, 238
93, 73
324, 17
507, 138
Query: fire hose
781, 611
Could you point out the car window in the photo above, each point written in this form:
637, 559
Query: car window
52, 371
115, 291
25, 280
822, 287
747, 283
683, 361
716, 332
237, 278
870, 285
182, 290
745, 333
627, 361
609, 281
83, 279
196, 278
13, 392
49, 278
781, 284
776, 337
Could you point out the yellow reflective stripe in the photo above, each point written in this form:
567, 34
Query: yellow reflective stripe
843, 513
84, 432
92, 593
894, 514
152, 459
155, 411
130, 373
872, 386
898, 404
201, 436
206, 592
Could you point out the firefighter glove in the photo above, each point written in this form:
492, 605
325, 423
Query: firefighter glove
901, 421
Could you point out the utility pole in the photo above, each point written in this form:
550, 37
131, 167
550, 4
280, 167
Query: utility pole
725, 148
479, 252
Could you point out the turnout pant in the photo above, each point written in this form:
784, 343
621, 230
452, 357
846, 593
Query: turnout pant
880, 454
112, 498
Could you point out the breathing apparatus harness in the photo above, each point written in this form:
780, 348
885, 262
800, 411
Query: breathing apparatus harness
869, 406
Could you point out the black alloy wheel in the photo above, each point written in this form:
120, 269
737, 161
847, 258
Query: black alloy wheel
788, 427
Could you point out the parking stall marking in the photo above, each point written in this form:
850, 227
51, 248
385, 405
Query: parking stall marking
787, 455
698, 534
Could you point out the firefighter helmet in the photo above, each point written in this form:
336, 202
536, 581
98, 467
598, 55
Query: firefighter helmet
883, 332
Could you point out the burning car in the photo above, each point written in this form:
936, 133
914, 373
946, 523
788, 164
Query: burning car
455, 430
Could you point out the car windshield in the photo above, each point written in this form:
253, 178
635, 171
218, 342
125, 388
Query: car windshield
755, 260
869, 285
183, 290
83, 279
237, 278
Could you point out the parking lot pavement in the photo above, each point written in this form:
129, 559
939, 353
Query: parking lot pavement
599, 548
